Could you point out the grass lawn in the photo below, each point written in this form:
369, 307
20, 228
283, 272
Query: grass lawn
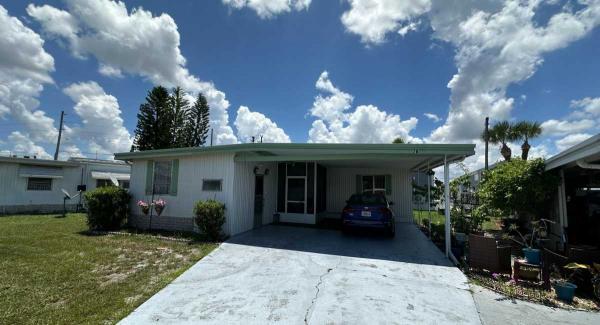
51, 271
438, 218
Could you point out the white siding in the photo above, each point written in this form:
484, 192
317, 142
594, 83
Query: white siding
341, 184
13, 188
192, 170
242, 216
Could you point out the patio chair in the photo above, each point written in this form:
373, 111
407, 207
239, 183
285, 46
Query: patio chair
487, 253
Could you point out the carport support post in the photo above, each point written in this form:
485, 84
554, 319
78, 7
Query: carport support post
447, 204
429, 199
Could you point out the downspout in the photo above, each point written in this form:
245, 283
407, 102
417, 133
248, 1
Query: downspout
586, 165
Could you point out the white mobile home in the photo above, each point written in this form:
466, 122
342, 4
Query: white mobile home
30, 185
261, 183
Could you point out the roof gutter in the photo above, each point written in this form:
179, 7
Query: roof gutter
586, 165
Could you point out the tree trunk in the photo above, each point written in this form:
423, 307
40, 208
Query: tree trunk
525, 150
506, 152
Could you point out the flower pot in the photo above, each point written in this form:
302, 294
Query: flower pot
158, 209
532, 255
145, 210
565, 291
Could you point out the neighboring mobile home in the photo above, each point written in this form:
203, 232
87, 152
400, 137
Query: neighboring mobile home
30, 185
261, 183
577, 203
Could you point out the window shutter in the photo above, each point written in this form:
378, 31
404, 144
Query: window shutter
388, 184
149, 175
359, 184
174, 177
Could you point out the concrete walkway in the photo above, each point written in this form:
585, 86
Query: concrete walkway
496, 309
293, 275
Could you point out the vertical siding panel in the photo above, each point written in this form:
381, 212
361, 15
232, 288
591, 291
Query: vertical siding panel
192, 170
341, 184
243, 198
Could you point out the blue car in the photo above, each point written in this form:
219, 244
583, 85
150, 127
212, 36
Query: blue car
369, 210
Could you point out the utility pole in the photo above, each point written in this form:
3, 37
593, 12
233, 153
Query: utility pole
62, 115
487, 140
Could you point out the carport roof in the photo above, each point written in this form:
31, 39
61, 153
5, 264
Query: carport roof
413, 156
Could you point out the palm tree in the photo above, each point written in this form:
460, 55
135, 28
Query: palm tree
525, 130
502, 133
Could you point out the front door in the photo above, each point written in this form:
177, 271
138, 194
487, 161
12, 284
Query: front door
258, 200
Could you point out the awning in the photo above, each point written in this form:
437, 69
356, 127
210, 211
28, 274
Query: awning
107, 175
113, 177
40, 171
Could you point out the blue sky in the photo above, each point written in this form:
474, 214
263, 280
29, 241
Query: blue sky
270, 62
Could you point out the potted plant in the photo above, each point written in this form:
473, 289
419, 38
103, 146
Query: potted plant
564, 288
159, 206
144, 206
538, 231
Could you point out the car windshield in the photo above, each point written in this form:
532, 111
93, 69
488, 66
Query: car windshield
367, 199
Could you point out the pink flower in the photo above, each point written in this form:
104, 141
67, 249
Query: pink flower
160, 203
495, 276
141, 203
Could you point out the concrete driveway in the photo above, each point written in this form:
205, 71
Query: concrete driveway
294, 275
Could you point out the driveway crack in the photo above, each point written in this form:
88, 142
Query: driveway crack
318, 289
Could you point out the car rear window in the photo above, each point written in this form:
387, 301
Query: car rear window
367, 199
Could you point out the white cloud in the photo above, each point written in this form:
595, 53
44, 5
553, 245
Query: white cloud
373, 19
571, 140
269, 8
25, 68
101, 118
367, 124
497, 49
556, 127
586, 107
432, 117
254, 124
23, 146
135, 42
498, 43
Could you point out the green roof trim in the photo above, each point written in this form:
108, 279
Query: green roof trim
331, 150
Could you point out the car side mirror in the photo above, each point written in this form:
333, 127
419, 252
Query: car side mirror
391, 203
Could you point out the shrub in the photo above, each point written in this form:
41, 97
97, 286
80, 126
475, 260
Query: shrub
517, 187
107, 207
210, 217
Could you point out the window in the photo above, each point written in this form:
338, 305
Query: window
162, 177
124, 184
103, 182
212, 185
373, 184
39, 184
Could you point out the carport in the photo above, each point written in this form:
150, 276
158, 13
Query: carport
314, 180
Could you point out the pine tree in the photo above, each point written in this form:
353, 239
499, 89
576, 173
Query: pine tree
197, 123
180, 107
155, 121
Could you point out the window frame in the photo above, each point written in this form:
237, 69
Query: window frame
167, 185
29, 188
374, 189
212, 180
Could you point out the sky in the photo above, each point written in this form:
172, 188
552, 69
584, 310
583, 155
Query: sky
344, 71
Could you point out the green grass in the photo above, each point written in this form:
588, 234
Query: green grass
439, 218
51, 271
436, 217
